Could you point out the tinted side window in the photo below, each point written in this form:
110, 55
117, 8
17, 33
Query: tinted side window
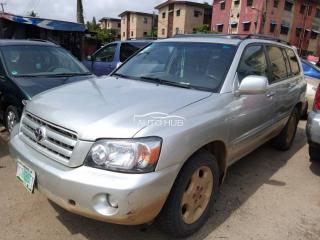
278, 63
253, 62
295, 69
128, 49
2, 72
106, 54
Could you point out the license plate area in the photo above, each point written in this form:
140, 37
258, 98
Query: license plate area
26, 175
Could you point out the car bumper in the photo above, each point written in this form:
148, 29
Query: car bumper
87, 191
313, 128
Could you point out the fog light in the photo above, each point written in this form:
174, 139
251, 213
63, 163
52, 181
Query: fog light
112, 201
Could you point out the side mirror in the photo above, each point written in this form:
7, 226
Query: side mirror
252, 85
119, 64
89, 58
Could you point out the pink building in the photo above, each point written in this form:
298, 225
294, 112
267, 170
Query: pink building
297, 22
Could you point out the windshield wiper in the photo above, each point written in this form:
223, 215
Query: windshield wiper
166, 82
120, 75
54, 75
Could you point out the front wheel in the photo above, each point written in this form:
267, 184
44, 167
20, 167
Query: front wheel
11, 118
191, 199
314, 153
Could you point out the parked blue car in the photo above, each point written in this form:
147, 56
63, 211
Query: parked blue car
107, 58
310, 69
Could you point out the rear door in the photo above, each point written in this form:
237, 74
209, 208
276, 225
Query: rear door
283, 82
127, 49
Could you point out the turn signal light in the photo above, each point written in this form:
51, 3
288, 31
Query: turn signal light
317, 99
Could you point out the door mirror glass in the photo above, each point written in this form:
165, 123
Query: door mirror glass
252, 85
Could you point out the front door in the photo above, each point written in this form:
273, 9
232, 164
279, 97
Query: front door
253, 114
104, 60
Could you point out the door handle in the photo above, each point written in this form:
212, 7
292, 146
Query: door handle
271, 94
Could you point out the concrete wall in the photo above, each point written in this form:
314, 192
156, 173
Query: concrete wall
133, 26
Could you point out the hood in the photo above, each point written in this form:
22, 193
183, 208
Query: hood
33, 86
106, 107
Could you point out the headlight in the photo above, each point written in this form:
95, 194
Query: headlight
125, 155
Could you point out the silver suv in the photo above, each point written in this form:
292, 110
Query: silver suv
154, 140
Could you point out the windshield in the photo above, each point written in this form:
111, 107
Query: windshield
34, 60
201, 66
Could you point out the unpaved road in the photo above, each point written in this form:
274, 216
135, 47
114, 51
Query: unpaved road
267, 195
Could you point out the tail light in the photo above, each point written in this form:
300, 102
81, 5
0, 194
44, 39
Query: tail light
317, 99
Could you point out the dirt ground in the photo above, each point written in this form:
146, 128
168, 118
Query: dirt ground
267, 195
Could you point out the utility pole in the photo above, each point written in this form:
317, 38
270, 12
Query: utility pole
2, 6
80, 18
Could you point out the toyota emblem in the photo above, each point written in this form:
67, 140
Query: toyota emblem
40, 134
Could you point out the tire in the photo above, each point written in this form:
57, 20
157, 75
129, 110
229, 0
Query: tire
174, 218
304, 114
11, 118
314, 153
284, 140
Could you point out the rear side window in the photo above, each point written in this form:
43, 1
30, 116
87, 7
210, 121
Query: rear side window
253, 62
128, 49
295, 69
278, 63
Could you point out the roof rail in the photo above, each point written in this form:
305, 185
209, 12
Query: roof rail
234, 36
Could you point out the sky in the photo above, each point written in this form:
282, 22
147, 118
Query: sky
66, 9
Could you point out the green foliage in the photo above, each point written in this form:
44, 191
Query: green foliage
202, 29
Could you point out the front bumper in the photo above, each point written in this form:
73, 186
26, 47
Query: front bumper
86, 191
313, 128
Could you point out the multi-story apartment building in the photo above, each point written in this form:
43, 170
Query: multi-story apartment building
295, 21
137, 25
110, 23
181, 17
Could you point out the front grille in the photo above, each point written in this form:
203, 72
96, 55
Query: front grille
58, 143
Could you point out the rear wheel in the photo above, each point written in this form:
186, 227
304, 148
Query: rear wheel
11, 118
285, 139
314, 153
191, 199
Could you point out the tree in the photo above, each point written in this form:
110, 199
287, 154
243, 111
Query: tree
102, 35
203, 29
32, 14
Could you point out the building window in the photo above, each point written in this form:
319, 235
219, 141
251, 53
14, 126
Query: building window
298, 32
246, 26
318, 13
272, 27
223, 5
119, 25
124, 21
108, 24
131, 33
313, 35
163, 31
220, 28
236, 2
178, 13
249, 3
145, 34
284, 30
275, 3
145, 20
197, 13
234, 25
288, 6
177, 30
164, 15
123, 34
302, 8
